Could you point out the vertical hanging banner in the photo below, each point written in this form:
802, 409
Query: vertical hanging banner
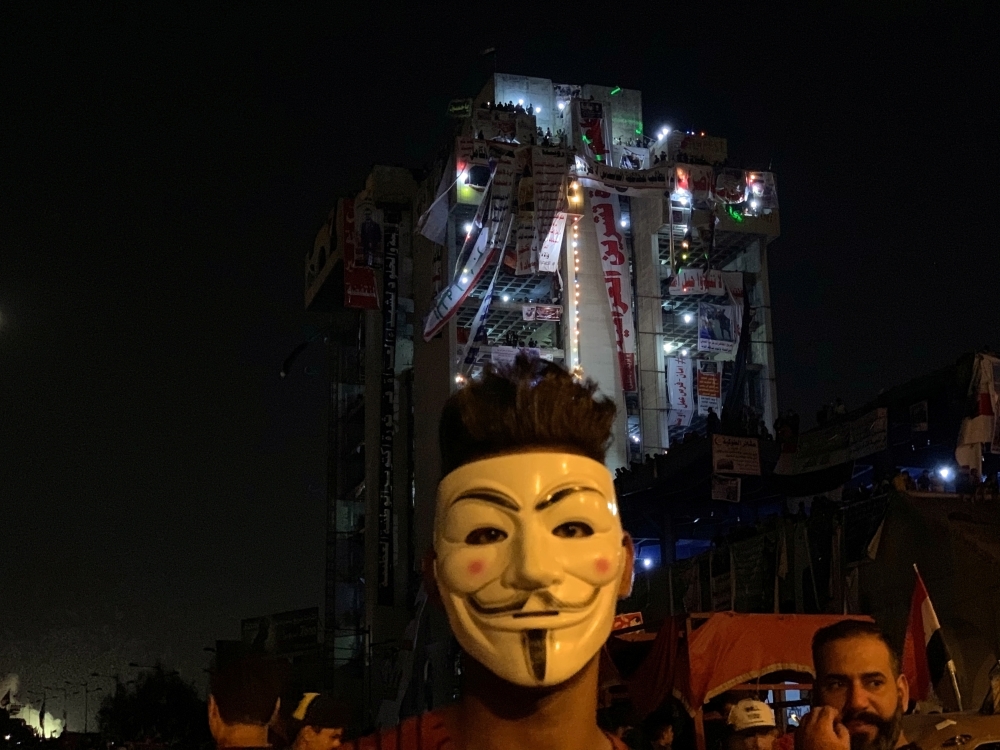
716, 328
387, 415
477, 333
449, 300
500, 199
680, 389
360, 290
734, 283
709, 386
550, 169
524, 241
589, 128
548, 256
604, 208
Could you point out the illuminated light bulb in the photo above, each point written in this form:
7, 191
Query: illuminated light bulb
683, 200
703, 133
465, 279
468, 228
575, 243
624, 223
646, 561
753, 204
521, 102
668, 347
562, 105
537, 110
685, 244
506, 298
684, 352
688, 317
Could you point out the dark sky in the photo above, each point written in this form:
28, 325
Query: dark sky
164, 171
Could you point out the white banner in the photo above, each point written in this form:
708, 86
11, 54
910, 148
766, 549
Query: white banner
607, 217
448, 302
680, 386
709, 386
525, 240
550, 171
697, 281
477, 333
716, 328
733, 282
548, 255
735, 455
635, 182
679, 418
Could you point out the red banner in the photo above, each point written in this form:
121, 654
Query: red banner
604, 207
360, 289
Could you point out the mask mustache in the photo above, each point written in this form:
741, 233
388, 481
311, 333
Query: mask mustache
547, 598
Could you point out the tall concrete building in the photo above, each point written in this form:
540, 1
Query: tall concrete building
559, 225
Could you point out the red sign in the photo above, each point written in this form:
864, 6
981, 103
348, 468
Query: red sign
360, 289
626, 621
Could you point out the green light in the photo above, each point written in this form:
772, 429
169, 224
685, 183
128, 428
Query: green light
638, 131
734, 214
616, 90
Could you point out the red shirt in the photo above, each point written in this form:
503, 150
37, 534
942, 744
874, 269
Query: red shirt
424, 732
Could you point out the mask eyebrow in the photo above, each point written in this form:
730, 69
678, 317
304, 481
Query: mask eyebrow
487, 496
562, 494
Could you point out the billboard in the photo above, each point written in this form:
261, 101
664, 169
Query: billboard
283, 633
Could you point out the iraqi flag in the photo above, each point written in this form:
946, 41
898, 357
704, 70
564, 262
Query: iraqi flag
926, 662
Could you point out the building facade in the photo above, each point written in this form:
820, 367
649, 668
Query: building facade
556, 225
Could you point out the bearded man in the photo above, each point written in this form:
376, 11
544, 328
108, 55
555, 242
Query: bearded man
529, 560
860, 693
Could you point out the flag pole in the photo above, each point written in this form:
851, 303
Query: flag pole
950, 664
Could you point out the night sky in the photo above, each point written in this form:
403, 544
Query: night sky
164, 172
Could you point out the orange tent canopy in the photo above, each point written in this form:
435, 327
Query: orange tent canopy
726, 650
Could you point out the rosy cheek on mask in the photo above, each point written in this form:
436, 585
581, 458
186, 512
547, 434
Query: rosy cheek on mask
601, 565
475, 567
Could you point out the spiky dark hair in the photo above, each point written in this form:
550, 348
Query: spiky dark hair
530, 404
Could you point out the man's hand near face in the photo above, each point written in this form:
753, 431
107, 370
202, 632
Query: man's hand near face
821, 729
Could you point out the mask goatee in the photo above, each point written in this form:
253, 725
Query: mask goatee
534, 648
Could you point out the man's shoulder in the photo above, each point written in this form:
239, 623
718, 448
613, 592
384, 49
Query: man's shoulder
424, 732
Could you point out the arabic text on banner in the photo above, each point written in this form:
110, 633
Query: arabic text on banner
735, 455
550, 170
680, 387
726, 488
709, 386
611, 245
548, 255
697, 281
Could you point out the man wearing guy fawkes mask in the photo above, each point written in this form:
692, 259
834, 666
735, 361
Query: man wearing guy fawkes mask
860, 693
529, 560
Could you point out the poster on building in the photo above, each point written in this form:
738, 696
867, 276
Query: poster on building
836, 444
730, 186
477, 331
589, 130
548, 255
709, 386
692, 147
501, 125
369, 241
679, 417
918, 417
698, 180
541, 312
284, 633
726, 488
735, 282
680, 385
634, 157
321, 260
688, 281
735, 455
360, 288
716, 328
611, 244
626, 621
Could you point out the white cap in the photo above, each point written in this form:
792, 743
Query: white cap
749, 714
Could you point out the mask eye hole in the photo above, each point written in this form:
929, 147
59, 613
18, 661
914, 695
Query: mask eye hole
486, 535
572, 530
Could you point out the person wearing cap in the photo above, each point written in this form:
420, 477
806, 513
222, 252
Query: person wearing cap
321, 722
751, 726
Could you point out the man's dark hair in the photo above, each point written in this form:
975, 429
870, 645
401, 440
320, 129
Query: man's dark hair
246, 687
530, 404
845, 629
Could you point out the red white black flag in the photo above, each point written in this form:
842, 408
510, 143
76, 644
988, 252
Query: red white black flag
926, 662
